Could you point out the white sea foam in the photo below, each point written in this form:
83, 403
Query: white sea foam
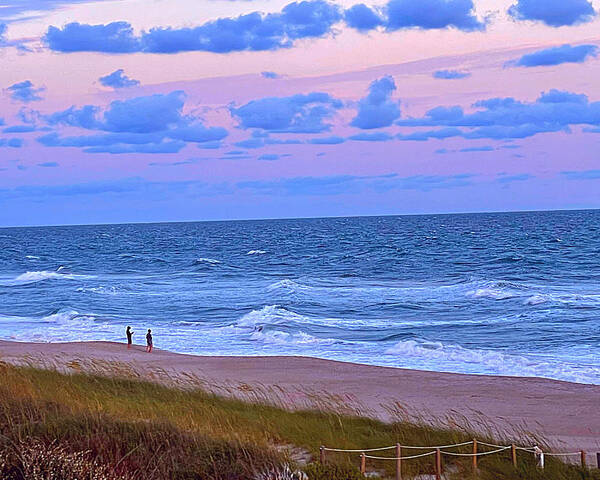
277, 337
34, 277
256, 252
289, 285
271, 315
210, 261
32, 257
455, 358
495, 293
100, 290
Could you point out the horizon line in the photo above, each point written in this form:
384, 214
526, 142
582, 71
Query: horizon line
266, 219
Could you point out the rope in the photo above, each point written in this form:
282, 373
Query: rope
401, 458
359, 451
491, 444
475, 454
562, 454
499, 448
394, 446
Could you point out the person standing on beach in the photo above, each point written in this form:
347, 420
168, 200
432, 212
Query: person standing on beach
129, 334
149, 341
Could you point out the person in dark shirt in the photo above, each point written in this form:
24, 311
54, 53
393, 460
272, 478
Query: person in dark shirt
149, 341
129, 334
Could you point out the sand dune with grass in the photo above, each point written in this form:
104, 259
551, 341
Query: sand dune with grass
565, 414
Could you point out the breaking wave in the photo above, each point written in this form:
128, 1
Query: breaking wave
35, 277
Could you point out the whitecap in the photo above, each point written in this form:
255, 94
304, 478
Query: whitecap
437, 356
210, 261
256, 252
34, 277
287, 284
277, 337
496, 294
32, 257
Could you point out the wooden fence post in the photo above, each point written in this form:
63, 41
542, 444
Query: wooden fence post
322, 455
598, 459
474, 457
363, 463
582, 459
398, 462
513, 451
438, 464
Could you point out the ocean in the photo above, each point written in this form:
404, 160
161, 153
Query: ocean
503, 294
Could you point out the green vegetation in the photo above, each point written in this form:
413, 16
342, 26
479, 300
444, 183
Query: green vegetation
94, 427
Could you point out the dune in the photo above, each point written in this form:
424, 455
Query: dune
565, 414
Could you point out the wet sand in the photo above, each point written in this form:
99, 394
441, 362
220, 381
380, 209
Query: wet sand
566, 414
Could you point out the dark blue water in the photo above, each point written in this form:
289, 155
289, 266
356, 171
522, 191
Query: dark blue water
510, 294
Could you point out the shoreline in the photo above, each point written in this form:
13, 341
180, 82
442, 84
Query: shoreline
565, 414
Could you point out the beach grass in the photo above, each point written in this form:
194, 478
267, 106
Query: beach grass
131, 428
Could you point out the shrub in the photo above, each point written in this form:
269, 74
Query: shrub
317, 471
35, 461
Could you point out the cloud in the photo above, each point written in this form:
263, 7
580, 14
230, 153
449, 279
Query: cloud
212, 145
450, 74
147, 124
345, 184
25, 92
432, 14
363, 18
115, 37
162, 147
556, 56
177, 163
581, 175
269, 157
196, 132
270, 75
12, 142
333, 140
504, 118
251, 32
251, 143
152, 113
84, 117
19, 129
295, 114
377, 109
423, 14
258, 31
118, 79
371, 137
486, 148
422, 136
554, 13
521, 177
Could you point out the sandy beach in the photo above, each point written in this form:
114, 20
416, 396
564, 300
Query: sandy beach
564, 413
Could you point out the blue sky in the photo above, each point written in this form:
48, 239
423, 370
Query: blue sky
128, 110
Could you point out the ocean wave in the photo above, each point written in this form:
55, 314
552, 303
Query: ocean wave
32, 257
437, 356
204, 261
35, 277
288, 285
277, 337
269, 315
496, 294
102, 290
256, 252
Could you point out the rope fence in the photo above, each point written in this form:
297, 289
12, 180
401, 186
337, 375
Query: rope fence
440, 450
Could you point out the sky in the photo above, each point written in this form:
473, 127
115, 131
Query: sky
178, 110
